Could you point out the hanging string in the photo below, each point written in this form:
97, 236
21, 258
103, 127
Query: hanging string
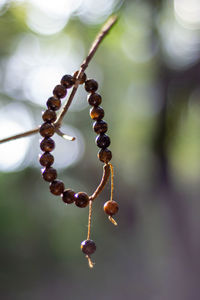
112, 181
89, 219
111, 192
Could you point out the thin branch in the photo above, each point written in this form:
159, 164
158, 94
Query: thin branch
20, 135
103, 32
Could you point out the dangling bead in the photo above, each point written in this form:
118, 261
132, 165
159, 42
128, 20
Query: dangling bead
88, 247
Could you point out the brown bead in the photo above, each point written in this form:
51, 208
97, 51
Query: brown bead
100, 126
67, 81
105, 155
83, 77
46, 159
68, 196
47, 145
103, 141
96, 113
49, 174
111, 207
81, 199
94, 99
88, 247
47, 130
59, 91
53, 103
57, 187
91, 85
49, 116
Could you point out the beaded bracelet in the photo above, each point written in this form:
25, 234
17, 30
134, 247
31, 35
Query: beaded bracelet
49, 174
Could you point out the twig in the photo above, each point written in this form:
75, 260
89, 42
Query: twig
103, 32
20, 135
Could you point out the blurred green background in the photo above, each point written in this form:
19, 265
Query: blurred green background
148, 69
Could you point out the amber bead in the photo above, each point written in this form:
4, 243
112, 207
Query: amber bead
57, 187
81, 199
96, 113
88, 247
47, 145
46, 159
111, 207
103, 141
59, 91
94, 99
67, 81
53, 103
105, 155
83, 77
47, 130
100, 126
49, 116
91, 85
49, 174
68, 196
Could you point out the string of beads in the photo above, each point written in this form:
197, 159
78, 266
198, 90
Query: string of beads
47, 145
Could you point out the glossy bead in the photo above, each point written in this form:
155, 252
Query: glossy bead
49, 116
47, 130
67, 81
105, 155
88, 247
83, 77
53, 103
100, 126
57, 187
96, 113
81, 199
91, 85
111, 207
49, 174
68, 196
59, 91
46, 159
94, 99
47, 145
103, 141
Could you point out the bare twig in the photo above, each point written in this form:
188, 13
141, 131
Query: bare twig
103, 32
20, 135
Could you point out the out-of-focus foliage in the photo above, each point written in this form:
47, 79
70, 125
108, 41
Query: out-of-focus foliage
148, 70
